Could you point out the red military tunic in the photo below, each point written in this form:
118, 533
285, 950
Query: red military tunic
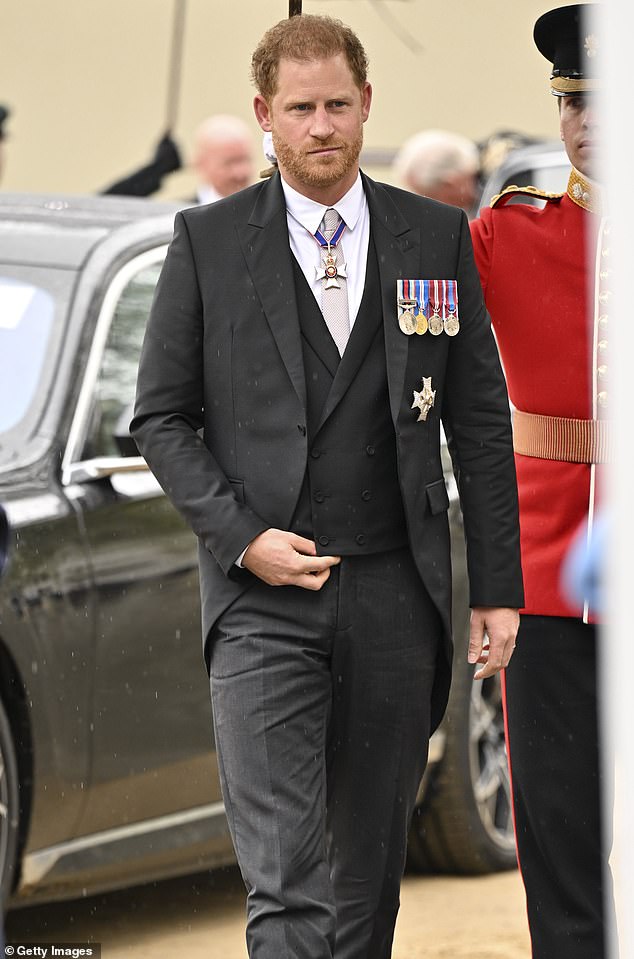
537, 268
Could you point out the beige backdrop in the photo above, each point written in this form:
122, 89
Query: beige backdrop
86, 80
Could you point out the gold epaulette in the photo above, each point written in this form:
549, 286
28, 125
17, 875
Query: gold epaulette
501, 198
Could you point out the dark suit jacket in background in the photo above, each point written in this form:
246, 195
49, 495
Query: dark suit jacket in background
221, 400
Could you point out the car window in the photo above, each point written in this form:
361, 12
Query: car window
116, 381
26, 322
34, 305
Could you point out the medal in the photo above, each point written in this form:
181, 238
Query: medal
452, 325
421, 319
406, 306
407, 322
424, 399
330, 270
435, 324
451, 322
435, 320
421, 324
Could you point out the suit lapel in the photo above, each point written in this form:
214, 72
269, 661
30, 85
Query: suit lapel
266, 249
399, 256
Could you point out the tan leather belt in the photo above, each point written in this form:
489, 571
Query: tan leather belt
560, 438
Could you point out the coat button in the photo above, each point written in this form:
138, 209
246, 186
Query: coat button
319, 497
360, 539
370, 450
602, 398
323, 540
315, 454
366, 494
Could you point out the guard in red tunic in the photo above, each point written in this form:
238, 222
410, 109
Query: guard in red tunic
544, 264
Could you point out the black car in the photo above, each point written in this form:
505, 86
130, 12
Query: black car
107, 767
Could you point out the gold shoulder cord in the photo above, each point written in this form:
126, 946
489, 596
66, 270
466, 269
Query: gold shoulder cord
514, 190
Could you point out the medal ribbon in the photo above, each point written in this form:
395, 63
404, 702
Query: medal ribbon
334, 239
451, 289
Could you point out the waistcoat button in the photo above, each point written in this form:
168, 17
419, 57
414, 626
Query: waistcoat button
366, 494
360, 538
323, 540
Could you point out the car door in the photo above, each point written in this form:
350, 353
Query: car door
152, 739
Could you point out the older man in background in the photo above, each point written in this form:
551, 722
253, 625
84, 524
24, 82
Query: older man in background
441, 165
223, 157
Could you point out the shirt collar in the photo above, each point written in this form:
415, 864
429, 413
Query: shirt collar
309, 213
207, 193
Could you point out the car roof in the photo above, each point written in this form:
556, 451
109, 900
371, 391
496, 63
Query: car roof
60, 230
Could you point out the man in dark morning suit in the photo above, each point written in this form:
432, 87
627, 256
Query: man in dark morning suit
307, 461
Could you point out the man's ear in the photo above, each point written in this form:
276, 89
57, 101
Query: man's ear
262, 113
366, 100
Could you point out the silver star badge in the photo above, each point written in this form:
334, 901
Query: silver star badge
424, 399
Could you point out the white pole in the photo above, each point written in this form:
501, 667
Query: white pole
618, 641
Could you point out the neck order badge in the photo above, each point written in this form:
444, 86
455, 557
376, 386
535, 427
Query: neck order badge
334, 296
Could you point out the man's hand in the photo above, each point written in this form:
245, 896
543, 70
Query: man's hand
284, 559
499, 625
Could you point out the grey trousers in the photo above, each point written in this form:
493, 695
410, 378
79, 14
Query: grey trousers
321, 706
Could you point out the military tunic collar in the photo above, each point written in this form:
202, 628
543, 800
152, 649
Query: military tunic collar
586, 193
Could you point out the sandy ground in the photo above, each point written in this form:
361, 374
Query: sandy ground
202, 917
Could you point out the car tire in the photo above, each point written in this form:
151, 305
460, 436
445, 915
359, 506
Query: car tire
9, 808
464, 824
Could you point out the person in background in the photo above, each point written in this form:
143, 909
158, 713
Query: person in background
148, 179
441, 165
223, 158
4, 116
308, 336
545, 271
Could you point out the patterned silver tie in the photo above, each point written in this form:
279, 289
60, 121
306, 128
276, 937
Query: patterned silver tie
334, 298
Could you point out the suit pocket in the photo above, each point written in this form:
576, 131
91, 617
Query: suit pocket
238, 489
437, 497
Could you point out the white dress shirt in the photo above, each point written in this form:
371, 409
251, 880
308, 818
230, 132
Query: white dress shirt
304, 216
206, 193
